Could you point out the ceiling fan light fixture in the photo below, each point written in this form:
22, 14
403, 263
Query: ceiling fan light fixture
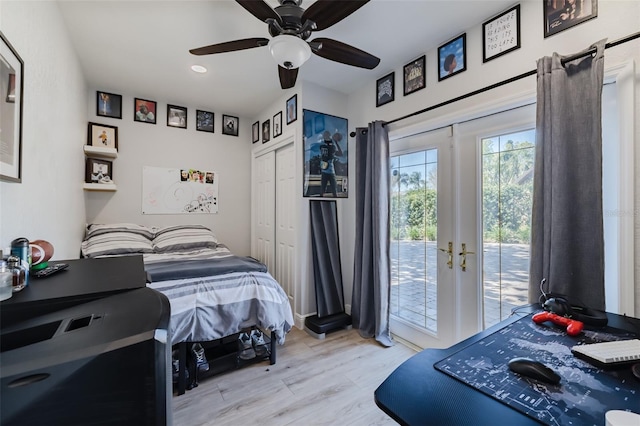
289, 51
198, 68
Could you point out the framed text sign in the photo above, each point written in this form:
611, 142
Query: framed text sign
501, 34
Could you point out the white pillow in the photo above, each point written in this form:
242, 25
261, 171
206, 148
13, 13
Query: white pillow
115, 243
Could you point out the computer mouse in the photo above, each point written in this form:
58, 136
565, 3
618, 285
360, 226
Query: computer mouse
534, 370
635, 369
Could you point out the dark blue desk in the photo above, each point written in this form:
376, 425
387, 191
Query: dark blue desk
418, 394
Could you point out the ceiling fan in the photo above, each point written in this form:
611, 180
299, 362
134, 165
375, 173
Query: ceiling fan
290, 26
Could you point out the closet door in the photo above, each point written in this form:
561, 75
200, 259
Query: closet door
264, 209
285, 211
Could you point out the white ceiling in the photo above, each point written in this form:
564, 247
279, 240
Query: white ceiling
141, 47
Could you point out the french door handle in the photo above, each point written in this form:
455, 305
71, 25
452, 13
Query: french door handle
464, 253
449, 252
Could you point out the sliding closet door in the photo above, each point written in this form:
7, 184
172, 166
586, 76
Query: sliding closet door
264, 190
285, 218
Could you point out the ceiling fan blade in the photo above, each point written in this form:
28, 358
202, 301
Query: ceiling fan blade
343, 53
230, 46
326, 13
259, 9
287, 77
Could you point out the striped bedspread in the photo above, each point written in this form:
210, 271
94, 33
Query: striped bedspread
211, 307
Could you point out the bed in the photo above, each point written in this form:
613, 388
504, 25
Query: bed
213, 293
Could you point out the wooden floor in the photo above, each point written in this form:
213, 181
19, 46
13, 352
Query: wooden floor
314, 382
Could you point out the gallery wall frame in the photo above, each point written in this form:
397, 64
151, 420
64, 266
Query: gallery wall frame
567, 14
230, 125
385, 89
108, 105
501, 34
205, 121
255, 132
414, 76
176, 116
11, 109
277, 124
98, 171
266, 131
102, 135
452, 57
144, 110
292, 109
325, 155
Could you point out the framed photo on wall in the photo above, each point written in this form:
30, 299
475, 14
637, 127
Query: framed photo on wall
266, 131
385, 89
12, 72
564, 14
277, 124
144, 110
255, 132
109, 105
326, 155
230, 125
452, 57
204, 121
102, 135
414, 77
292, 109
501, 34
176, 116
98, 171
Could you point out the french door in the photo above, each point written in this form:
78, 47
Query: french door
450, 189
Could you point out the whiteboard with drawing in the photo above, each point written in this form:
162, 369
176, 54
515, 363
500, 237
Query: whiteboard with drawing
179, 191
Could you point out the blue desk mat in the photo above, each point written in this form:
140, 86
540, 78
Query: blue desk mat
583, 396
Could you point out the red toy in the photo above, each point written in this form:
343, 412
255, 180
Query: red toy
574, 327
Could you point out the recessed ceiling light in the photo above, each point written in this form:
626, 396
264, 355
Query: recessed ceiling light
198, 68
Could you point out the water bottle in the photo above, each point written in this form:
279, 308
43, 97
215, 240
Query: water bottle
6, 281
20, 248
18, 273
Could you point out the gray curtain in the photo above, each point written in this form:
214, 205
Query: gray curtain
371, 272
567, 240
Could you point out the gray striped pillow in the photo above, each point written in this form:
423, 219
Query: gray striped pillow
183, 237
115, 243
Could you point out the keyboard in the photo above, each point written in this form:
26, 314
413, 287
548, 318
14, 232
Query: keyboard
609, 354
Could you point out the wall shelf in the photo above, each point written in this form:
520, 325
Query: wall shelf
100, 186
97, 151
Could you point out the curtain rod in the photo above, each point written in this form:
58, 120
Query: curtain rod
509, 80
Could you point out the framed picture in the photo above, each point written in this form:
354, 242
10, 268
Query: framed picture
385, 87
414, 76
204, 121
292, 109
144, 110
255, 132
326, 156
501, 34
11, 107
277, 124
102, 135
98, 171
109, 105
266, 131
176, 116
452, 57
563, 14
230, 125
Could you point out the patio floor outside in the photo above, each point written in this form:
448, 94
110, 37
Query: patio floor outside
413, 286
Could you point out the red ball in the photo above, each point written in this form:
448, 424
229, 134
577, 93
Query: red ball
41, 251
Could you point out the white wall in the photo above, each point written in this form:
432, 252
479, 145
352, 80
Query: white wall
615, 19
49, 203
144, 144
